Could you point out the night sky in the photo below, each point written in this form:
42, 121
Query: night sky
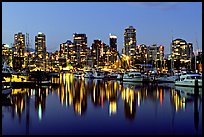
155, 22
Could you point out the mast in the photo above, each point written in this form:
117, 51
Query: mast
172, 57
195, 53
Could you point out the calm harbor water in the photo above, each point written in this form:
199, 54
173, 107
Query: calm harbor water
101, 107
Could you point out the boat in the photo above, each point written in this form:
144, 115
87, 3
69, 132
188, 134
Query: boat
6, 90
88, 74
189, 80
7, 71
78, 74
119, 75
98, 74
132, 76
166, 78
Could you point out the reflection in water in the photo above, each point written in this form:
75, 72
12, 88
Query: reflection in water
72, 92
40, 99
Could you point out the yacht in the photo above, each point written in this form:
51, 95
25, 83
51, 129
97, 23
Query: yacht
189, 80
78, 74
98, 74
132, 76
167, 78
7, 71
6, 90
88, 74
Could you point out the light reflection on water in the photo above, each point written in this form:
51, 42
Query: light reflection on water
100, 107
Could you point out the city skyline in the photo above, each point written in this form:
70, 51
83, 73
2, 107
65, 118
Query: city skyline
170, 20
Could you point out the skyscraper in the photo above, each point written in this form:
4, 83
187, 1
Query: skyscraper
113, 48
130, 45
80, 47
40, 45
181, 53
19, 44
113, 42
130, 40
40, 51
18, 51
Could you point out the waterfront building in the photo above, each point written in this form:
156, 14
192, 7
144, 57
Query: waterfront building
7, 54
113, 48
101, 54
40, 45
155, 56
67, 53
108, 56
19, 44
181, 53
141, 53
80, 47
40, 50
96, 51
18, 51
130, 44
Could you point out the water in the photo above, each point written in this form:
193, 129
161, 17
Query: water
101, 107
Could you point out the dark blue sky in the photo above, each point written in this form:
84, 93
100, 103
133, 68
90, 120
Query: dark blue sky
155, 22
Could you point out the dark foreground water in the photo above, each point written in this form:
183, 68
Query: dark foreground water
101, 107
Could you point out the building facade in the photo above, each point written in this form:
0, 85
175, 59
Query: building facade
155, 56
80, 47
18, 51
113, 48
7, 54
181, 54
40, 50
130, 45
129, 40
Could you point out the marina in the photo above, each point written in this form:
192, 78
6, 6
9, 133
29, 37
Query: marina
79, 102
101, 68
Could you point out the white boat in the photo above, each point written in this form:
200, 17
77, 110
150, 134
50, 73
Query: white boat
119, 76
132, 76
189, 80
7, 71
98, 74
78, 74
167, 78
6, 90
88, 74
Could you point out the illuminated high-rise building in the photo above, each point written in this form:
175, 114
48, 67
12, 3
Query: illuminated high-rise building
80, 46
181, 54
181, 49
40, 51
130, 40
18, 51
113, 42
6, 54
96, 49
67, 52
19, 44
113, 48
40, 45
155, 56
